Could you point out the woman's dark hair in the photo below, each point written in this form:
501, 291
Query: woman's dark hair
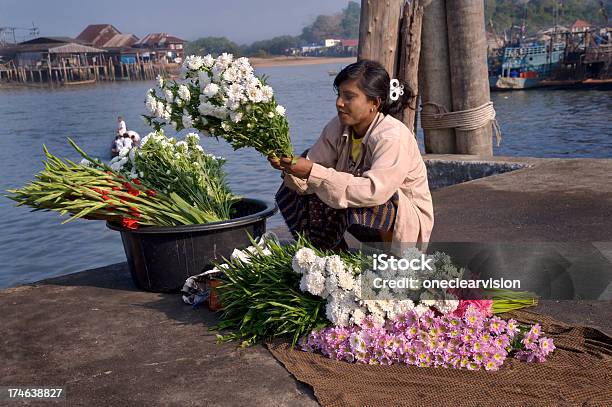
374, 80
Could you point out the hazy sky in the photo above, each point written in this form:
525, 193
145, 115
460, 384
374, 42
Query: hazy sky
242, 21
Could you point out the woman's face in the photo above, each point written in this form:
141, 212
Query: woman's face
353, 105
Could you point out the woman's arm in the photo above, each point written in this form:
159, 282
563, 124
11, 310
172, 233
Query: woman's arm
323, 152
391, 164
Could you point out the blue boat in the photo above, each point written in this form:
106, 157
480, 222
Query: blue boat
524, 67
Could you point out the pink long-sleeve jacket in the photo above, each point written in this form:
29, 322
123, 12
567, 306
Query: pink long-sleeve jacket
390, 161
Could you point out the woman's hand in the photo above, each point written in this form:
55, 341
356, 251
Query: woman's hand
275, 162
300, 169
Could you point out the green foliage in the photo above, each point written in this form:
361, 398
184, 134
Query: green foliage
503, 14
350, 20
212, 45
262, 300
341, 25
274, 46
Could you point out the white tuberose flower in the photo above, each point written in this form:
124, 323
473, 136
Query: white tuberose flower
208, 61
303, 260
210, 90
267, 93
193, 62
187, 121
280, 110
313, 283
183, 92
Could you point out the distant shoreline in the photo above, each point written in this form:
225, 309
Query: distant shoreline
284, 61
255, 62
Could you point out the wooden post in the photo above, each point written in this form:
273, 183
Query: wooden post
468, 66
434, 74
49, 66
408, 69
64, 69
379, 32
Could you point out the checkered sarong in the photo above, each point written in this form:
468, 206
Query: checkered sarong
323, 225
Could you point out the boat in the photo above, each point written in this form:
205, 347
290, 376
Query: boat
524, 67
83, 82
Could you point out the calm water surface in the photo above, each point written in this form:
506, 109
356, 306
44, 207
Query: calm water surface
34, 246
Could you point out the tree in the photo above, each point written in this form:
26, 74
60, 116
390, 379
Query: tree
350, 20
540, 14
274, 46
212, 45
323, 27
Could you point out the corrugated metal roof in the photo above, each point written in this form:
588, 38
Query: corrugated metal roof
159, 39
50, 40
350, 43
581, 24
121, 41
74, 49
98, 34
54, 48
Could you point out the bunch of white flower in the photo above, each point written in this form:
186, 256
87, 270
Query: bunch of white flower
261, 247
330, 278
180, 167
222, 97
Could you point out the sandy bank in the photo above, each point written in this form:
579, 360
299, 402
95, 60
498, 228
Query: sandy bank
282, 61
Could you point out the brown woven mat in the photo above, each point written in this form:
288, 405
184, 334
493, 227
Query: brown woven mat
579, 372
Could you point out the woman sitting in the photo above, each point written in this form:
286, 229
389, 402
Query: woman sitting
365, 173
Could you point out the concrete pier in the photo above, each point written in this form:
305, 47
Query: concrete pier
110, 344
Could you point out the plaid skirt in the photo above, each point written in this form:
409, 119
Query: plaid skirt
324, 226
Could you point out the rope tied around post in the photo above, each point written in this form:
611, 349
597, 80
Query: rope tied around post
465, 120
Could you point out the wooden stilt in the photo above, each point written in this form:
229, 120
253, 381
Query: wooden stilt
434, 74
408, 69
468, 68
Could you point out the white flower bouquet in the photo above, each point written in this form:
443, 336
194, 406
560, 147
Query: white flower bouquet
166, 183
222, 97
180, 167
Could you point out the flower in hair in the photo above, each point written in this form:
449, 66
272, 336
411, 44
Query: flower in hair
395, 89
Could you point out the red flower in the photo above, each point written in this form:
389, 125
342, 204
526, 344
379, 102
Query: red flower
110, 173
134, 192
98, 190
105, 197
116, 189
127, 185
151, 192
136, 181
129, 223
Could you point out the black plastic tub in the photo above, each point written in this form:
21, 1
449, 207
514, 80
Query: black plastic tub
162, 258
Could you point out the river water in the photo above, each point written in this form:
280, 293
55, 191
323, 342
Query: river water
35, 245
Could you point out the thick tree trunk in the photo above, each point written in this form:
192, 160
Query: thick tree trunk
408, 69
379, 32
434, 74
468, 66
